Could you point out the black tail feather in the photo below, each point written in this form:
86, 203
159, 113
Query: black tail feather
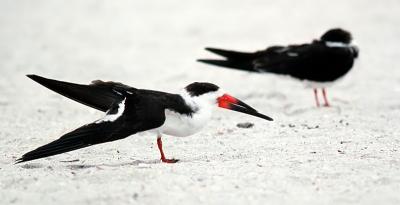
239, 65
234, 59
97, 96
232, 55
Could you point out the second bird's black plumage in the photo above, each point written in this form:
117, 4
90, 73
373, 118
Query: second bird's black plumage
323, 60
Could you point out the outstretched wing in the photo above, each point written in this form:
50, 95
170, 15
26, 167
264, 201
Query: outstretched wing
135, 113
99, 95
84, 136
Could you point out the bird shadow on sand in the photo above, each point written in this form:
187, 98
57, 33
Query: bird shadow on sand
122, 164
32, 166
265, 96
290, 110
138, 163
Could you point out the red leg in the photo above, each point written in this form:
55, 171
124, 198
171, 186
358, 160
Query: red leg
325, 99
316, 97
163, 159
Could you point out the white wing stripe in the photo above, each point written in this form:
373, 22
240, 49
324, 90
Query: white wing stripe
113, 117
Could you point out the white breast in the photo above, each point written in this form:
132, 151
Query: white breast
181, 125
314, 84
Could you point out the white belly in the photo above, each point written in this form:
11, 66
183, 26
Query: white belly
313, 84
182, 125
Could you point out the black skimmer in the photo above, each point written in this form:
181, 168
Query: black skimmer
318, 63
130, 110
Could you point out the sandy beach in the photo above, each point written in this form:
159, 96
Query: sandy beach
346, 154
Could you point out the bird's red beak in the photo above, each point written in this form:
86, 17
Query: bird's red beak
231, 103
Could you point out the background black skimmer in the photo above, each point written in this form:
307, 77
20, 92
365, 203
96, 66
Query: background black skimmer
130, 110
318, 63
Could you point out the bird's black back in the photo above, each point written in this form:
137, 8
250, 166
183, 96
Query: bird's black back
314, 62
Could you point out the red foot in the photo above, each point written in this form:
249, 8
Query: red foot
169, 160
163, 159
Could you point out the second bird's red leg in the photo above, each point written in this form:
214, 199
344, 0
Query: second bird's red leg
325, 98
316, 97
163, 159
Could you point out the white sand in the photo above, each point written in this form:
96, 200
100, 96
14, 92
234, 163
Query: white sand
347, 154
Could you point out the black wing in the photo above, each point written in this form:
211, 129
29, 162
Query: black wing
259, 61
140, 112
286, 60
99, 95
314, 61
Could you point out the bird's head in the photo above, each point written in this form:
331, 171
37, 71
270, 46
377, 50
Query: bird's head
337, 35
210, 94
340, 38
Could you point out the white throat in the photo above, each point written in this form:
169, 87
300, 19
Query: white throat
182, 125
333, 44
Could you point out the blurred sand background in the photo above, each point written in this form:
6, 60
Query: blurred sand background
346, 154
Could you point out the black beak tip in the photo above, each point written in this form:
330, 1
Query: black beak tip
257, 114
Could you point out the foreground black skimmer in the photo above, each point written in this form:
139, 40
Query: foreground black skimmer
130, 110
318, 63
